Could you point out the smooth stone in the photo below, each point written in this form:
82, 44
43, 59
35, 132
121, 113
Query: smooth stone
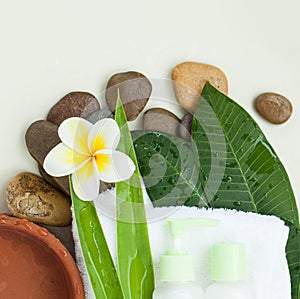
98, 115
274, 107
135, 90
30, 197
184, 129
40, 138
189, 79
158, 119
74, 104
61, 183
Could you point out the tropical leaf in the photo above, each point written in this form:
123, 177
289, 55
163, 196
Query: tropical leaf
293, 257
134, 253
99, 264
254, 179
238, 167
170, 169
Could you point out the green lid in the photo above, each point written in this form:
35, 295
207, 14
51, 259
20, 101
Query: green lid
228, 262
177, 266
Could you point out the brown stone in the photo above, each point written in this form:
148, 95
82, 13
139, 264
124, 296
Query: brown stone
189, 79
41, 137
61, 183
158, 119
185, 127
135, 90
32, 198
274, 107
77, 103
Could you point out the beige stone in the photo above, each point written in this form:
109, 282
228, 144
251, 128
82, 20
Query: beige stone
31, 197
189, 79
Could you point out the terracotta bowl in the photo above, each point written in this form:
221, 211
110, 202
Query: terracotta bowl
34, 264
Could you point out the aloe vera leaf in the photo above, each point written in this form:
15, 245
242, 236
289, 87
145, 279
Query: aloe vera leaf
134, 253
99, 264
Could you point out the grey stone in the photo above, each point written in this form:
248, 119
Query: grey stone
158, 119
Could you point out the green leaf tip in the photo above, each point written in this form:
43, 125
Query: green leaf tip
134, 254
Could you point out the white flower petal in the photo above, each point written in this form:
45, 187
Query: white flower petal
74, 133
114, 166
105, 134
62, 160
85, 181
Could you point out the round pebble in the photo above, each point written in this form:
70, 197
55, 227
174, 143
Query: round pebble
77, 103
158, 119
189, 79
274, 107
135, 90
30, 197
40, 138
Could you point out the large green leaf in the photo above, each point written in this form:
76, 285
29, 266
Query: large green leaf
293, 257
254, 179
238, 167
99, 264
134, 253
170, 169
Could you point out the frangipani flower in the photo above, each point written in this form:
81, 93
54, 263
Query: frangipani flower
88, 152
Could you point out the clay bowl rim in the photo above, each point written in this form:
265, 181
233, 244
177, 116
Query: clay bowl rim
46, 238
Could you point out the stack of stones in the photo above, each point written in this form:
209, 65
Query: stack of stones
46, 199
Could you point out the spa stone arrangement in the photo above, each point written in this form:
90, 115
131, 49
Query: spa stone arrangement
215, 158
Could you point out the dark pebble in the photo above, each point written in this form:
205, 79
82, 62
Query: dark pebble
184, 129
135, 90
77, 103
41, 137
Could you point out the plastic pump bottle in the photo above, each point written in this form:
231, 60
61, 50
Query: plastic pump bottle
228, 272
177, 266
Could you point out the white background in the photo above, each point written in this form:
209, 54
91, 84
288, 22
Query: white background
49, 48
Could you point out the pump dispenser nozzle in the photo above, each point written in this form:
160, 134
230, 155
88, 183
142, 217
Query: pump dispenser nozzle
177, 264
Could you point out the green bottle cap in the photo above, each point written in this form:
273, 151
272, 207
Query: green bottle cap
228, 262
177, 266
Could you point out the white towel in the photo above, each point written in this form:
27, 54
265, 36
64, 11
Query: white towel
265, 238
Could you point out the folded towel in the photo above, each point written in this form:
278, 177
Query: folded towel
265, 238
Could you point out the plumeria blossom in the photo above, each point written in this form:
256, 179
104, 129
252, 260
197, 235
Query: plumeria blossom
88, 152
